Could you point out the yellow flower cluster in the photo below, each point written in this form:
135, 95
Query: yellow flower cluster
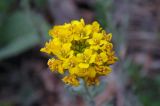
80, 51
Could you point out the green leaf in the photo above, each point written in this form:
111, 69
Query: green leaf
40, 3
18, 45
19, 33
17, 24
5, 5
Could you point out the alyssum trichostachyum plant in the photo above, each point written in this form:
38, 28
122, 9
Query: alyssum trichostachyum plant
80, 51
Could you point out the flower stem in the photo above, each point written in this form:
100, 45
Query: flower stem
90, 96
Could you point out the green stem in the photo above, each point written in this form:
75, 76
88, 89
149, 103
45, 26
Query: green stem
90, 96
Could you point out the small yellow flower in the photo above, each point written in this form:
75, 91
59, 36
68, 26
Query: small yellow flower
71, 80
111, 58
80, 31
86, 58
48, 47
97, 41
107, 47
108, 37
55, 65
70, 62
95, 27
101, 58
92, 81
80, 51
103, 70
86, 72
51, 46
63, 51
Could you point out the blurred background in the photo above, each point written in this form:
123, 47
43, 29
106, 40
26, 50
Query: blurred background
25, 79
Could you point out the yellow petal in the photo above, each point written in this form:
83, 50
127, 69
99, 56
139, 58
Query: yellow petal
67, 46
104, 56
91, 41
71, 80
73, 70
92, 72
60, 69
92, 59
109, 37
97, 36
83, 65
88, 52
